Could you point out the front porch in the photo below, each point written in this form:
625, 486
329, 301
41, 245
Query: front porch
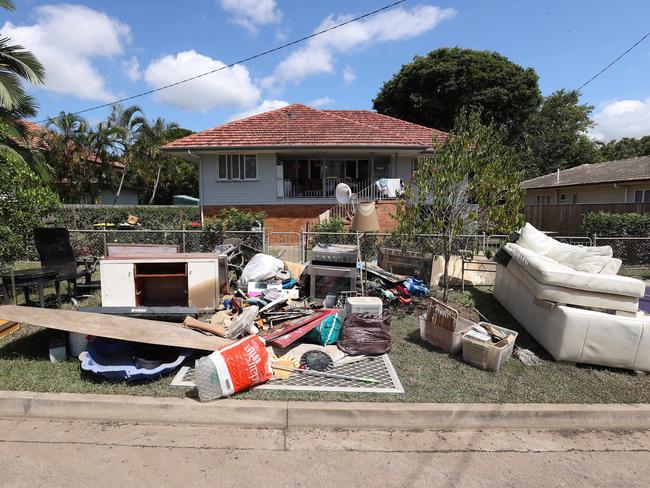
318, 177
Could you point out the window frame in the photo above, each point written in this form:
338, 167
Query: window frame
236, 163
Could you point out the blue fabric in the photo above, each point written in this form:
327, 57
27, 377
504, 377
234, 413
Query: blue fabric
415, 287
115, 360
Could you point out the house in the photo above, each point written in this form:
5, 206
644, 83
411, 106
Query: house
557, 201
128, 195
288, 162
623, 181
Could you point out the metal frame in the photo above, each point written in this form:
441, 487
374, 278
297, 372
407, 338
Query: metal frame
183, 378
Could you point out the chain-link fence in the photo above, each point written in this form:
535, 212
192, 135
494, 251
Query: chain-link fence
297, 246
633, 251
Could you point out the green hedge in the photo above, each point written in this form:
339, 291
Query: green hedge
150, 216
614, 224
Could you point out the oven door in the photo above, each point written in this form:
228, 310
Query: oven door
331, 280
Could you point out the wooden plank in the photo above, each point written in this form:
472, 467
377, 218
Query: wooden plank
114, 327
8, 327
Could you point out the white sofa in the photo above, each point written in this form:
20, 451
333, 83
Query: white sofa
573, 303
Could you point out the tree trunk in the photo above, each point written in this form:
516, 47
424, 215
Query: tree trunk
119, 188
445, 276
155, 185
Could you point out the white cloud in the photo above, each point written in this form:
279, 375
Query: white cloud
622, 118
251, 13
230, 87
321, 102
131, 69
66, 38
349, 75
265, 106
318, 56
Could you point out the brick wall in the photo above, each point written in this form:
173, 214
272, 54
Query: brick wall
279, 218
385, 211
293, 218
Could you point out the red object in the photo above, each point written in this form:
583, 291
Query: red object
404, 299
294, 324
296, 334
247, 362
299, 125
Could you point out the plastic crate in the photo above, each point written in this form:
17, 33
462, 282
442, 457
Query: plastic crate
487, 355
448, 341
369, 305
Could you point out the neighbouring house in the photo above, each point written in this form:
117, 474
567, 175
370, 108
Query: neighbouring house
288, 162
557, 201
128, 195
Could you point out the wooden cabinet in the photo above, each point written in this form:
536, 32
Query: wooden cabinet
172, 280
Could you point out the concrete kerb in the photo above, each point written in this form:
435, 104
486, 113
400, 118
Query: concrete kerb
321, 415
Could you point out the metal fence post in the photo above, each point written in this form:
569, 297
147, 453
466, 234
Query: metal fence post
183, 239
105, 243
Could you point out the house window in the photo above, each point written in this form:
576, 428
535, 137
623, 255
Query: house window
237, 167
562, 197
543, 199
574, 198
638, 196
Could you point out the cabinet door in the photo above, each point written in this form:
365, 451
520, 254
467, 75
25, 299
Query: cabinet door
202, 284
118, 285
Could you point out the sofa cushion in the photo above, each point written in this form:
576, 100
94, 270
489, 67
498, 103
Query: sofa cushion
537, 241
612, 267
549, 272
580, 260
572, 296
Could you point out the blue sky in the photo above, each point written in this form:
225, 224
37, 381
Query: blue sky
95, 51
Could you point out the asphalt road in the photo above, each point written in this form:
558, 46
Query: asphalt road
35, 453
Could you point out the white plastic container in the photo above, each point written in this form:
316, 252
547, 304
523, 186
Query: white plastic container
487, 355
78, 343
369, 305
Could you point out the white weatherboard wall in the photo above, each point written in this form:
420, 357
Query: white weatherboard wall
403, 169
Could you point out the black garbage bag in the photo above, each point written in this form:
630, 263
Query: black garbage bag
365, 334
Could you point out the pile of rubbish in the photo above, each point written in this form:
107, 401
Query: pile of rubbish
276, 319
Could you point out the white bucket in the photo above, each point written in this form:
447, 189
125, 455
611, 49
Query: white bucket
78, 343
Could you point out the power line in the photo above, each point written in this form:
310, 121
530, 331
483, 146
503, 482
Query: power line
241, 61
613, 62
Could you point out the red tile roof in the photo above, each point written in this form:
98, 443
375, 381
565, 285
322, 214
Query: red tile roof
35, 133
302, 126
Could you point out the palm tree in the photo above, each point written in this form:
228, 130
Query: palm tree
17, 65
68, 140
151, 136
128, 121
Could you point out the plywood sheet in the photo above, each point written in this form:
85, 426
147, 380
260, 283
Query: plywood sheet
114, 327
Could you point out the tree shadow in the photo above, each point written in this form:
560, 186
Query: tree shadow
32, 344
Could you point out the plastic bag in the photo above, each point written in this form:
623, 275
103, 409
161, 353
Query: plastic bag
366, 334
327, 332
261, 267
232, 369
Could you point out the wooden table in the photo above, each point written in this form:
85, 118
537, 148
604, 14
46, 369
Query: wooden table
27, 278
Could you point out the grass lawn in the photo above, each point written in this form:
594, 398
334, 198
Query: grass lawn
427, 374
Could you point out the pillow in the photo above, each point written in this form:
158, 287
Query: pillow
583, 261
612, 267
536, 241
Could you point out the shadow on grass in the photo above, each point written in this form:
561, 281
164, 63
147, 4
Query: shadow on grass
32, 344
